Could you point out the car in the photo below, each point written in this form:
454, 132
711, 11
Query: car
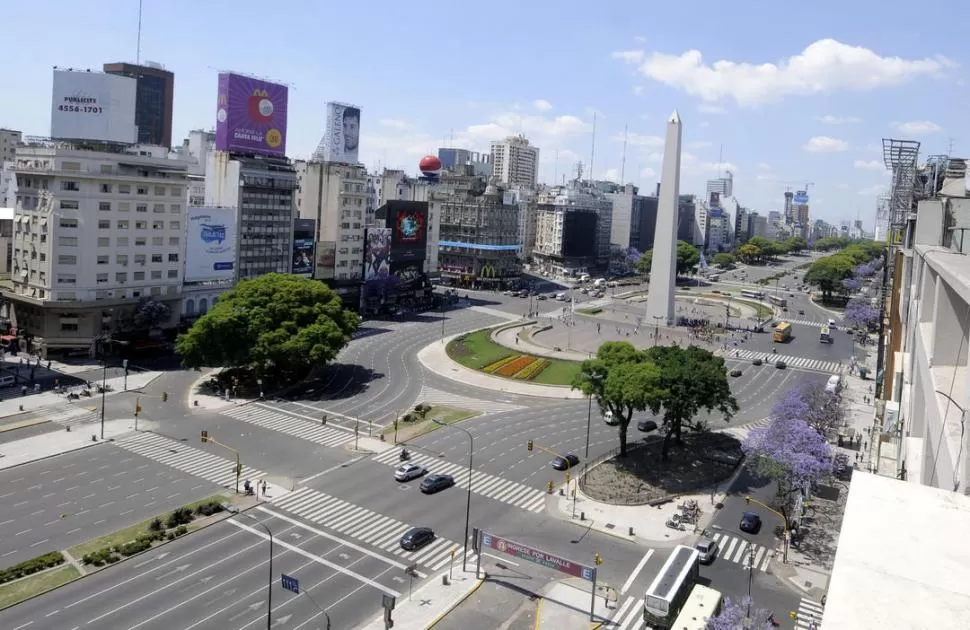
756, 361
781, 365
707, 549
735, 372
801, 311
609, 419
566, 462
750, 523
541, 297
416, 538
646, 426
436, 483
407, 472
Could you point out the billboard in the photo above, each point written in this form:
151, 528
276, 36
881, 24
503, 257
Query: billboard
93, 106
377, 254
251, 115
326, 260
408, 221
342, 135
303, 256
210, 245
801, 197
523, 552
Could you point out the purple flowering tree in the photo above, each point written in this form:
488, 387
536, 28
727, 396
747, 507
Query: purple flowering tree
792, 454
851, 284
860, 313
734, 616
810, 402
864, 270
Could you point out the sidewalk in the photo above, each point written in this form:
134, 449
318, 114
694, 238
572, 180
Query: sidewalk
566, 604
431, 603
435, 358
43, 400
519, 339
56, 443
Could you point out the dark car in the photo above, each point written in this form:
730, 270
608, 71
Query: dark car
541, 297
646, 426
756, 361
563, 463
781, 365
436, 483
750, 523
416, 537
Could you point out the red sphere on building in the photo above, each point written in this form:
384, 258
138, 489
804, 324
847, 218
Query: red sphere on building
429, 164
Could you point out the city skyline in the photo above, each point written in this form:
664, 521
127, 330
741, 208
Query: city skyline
817, 113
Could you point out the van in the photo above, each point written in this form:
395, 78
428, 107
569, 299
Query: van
560, 297
834, 384
7, 380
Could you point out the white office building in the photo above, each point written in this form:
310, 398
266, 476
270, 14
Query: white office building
515, 162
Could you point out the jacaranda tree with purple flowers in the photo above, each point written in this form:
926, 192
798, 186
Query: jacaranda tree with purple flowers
851, 285
791, 453
734, 616
864, 270
860, 313
810, 402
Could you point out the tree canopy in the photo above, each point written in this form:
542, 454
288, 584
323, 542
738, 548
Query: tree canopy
724, 260
859, 312
280, 326
622, 380
687, 258
691, 379
810, 402
734, 615
828, 272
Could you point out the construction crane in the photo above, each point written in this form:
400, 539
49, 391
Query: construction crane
788, 184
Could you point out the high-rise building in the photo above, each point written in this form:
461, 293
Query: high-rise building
154, 96
758, 226
742, 231
686, 219
723, 186
94, 234
700, 224
515, 161
195, 151
454, 159
8, 143
634, 219
566, 219
789, 207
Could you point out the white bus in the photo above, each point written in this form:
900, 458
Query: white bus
748, 293
778, 301
704, 602
666, 595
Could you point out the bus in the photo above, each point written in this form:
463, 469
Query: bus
748, 293
669, 590
778, 301
782, 333
704, 602
826, 335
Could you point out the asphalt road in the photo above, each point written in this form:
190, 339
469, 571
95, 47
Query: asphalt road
63, 501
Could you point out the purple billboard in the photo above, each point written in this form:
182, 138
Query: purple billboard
251, 115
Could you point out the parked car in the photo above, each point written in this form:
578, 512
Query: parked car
707, 549
407, 472
436, 483
750, 523
416, 537
646, 426
564, 463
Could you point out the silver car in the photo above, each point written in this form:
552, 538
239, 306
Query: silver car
707, 549
407, 472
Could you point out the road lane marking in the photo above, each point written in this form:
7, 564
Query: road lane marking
45, 472
58, 479
48, 495
152, 489
34, 487
501, 559
29, 623
36, 512
96, 480
17, 479
52, 613
4, 496
9, 553
20, 503
104, 505
88, 496
171, 496
150, 503
81, 512
126, 512
636, 572
48, 523
110, 488
101, 521
140, 479
118, 474
76, 529
131, 496
23, 532
40, 542
332, 468
65, 503
9, 520
72, 488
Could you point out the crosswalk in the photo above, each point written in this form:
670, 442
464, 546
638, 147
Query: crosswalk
510, 492
69, 415
737, 550
793, 362
276, 420
801, 322
809, 612
741, 432
193, 461
436, 397
370, 527
628, 616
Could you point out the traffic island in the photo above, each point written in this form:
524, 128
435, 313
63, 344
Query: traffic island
477, 350
422, 419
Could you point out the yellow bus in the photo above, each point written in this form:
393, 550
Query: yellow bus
704, 602
782, 332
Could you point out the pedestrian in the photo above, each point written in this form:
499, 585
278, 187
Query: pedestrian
864, 445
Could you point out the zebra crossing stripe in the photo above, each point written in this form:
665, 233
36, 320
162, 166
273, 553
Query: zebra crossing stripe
737, 550
809, 611
799, 362
510, 492
359, 523
193, 461
283, 423
628, 616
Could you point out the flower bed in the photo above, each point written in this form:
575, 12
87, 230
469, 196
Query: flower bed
513, 367
491, 368
532, 370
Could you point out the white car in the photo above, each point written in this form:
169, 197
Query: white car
610, 419
407, 472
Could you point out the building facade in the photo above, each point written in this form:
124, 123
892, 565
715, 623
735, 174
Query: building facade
154, 97
95, 234
722, 186
566, 218
455, 160
515, 162
9, 139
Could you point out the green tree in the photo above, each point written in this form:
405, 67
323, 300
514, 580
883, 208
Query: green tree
828, 272
724, 260
796, 244
644, 263
687, 257
279, 325
622, 380
691, 379
749, 252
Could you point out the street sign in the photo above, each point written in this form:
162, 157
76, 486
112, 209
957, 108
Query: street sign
290, 583
524, 552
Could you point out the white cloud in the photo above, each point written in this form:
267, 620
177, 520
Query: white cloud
825, 144
838, 120
542, 104
394, 123
874, 191
610, 175
648, 172
764, 167
824, 66
872, 165
765, 177
691, 164
512, 123
640, 140
711, 109
698, 144
917, 127
842, 186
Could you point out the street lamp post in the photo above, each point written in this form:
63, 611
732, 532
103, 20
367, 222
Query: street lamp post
104, 388
259, 382
269, 584
468, 498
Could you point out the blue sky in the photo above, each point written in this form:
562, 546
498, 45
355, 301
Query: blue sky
793, 92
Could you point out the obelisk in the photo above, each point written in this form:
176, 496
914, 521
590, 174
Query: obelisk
663, 268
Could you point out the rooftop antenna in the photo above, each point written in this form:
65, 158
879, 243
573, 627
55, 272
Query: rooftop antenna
592, 150
623, 162
138, 46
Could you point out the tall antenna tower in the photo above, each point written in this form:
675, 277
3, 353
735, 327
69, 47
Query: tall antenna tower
592, 150
623, 161
138, 45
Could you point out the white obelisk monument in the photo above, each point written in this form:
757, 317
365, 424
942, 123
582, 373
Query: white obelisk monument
663, 268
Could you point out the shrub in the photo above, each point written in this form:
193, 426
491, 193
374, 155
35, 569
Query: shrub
179, 516
100, 557
532, 370
29, 567
156, 525
491, 368
170, 536
512, 367
208, 509
181, 530
136, 546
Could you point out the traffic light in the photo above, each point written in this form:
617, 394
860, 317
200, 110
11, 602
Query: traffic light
205, 436
239, 468
138, 411
747, 500
567, 476
164, 396
529, 445
597, 559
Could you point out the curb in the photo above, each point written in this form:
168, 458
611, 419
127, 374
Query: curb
13, 426
455, 605
40, 459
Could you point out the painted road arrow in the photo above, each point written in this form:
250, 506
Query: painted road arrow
248, 610
225, 594
178, 569
281, 620
153, 559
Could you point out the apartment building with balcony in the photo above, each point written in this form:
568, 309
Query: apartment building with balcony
94, 233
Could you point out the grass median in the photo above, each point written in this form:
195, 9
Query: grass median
16, 592
443, 413
476, 350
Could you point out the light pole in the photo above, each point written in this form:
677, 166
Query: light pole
468, 498
269, 584
589, 413
442, 309
104, 388
259, 382
656, 328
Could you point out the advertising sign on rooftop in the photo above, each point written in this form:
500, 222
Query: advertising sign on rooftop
801, 197
342, 136
93, 106
524, 552
251, 115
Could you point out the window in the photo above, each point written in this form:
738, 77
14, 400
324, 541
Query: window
174, 225
102, 278
159, 191
122, 225
157, 274
104, 225
139, 276
158, 225
141, 225
173, 273
122, 259
173, 258
104, 206
124, 189
68, 205
68, 241
177, 191
67, 223
66, 260
106, 188
173, 241
124, 206
104, 241
175, 208
158, 208
140, 241
139, 259
158, 241
122, 241
142, 190
103, 260
121, 277
66, 278
156, 258
72, 186
141, 207
68, 327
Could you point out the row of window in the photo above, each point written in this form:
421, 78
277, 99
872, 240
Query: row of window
139, 225
120, 277
122, 241
124, 206
126, 189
